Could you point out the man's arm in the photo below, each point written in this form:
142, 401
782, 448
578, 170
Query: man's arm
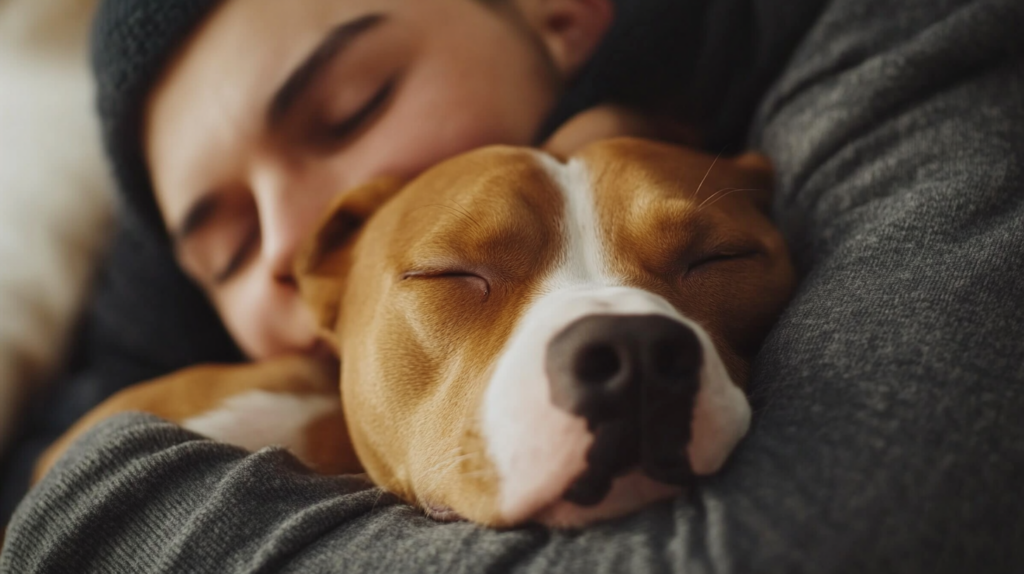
887, 435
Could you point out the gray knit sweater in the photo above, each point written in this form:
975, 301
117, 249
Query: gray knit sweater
889, 434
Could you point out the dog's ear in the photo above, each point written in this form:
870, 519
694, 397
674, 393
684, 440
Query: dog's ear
323, 262
611, 121
759, 177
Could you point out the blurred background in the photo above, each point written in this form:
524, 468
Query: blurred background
56, 197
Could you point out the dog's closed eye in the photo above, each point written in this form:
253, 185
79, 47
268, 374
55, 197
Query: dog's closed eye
473, 279
711, 259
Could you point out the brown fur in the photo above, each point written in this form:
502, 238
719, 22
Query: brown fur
417, 343
664, 208
191, 392
412, 416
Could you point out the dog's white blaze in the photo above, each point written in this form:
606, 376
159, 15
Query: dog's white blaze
259, 419
583, 262
539, 449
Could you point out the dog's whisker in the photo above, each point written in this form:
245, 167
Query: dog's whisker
722, 194
449, 463
697, 192
714, 195
446, 459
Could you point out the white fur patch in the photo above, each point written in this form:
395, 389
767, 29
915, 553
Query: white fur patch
259, 419
583, 261
539, 449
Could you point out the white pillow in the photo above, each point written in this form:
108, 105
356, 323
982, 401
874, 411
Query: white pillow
55, 195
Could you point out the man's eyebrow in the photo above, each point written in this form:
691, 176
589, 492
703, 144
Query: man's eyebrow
198, 215
333, 43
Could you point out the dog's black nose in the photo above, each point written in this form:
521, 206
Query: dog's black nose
600, 365
634, 378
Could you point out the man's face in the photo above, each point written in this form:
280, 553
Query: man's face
273, 108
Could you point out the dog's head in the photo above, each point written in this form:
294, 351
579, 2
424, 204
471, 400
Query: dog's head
530, 339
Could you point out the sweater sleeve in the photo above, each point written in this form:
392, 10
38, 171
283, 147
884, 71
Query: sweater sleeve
145, 320
887, 434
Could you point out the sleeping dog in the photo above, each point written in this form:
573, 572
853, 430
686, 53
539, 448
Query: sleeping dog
556, 336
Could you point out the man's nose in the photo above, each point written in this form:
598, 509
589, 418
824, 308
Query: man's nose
291, 203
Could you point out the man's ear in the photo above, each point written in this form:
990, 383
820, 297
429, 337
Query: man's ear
571, 30
324, 260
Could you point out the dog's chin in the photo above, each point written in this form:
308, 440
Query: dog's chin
629, 493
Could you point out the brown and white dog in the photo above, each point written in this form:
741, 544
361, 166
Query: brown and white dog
523, 337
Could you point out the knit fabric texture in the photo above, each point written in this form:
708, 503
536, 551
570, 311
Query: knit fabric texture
132, 42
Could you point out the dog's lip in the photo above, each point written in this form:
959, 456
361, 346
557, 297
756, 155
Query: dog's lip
630, 493
441, 512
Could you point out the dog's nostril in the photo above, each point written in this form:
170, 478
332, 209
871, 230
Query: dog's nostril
604, 367
667, 360
597, 364
673, 359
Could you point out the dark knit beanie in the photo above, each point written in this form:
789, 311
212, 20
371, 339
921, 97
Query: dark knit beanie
132, 43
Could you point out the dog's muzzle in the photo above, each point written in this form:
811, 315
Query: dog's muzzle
634, 379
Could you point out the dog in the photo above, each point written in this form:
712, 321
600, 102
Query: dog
525, 336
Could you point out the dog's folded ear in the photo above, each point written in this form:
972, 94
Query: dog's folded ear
759, 177
609, 121
323, 262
